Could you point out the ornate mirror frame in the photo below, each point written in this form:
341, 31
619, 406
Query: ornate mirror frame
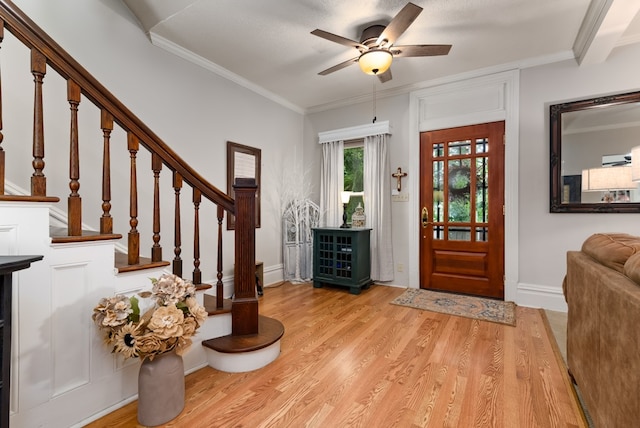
556, 112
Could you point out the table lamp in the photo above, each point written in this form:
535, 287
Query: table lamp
345, 201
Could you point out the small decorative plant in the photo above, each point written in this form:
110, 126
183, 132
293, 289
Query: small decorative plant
166, 323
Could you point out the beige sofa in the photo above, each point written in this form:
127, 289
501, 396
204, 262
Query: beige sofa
602, 290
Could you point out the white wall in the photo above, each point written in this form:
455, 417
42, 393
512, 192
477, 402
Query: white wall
396, 110
196, 112
193, 110
544, 238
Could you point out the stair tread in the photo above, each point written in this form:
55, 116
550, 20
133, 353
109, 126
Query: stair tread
269, 332
59, 236
210, 305
121, 262
29, 198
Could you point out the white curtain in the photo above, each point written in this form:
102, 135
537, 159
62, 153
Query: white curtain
377, 201
331, 183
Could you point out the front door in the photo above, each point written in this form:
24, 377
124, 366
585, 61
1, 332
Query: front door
462, 210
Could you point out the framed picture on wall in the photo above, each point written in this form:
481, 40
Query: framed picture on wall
242, 162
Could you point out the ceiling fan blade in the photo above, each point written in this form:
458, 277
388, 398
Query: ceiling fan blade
339, 39
399, 23
420, 50
339, 66
385, 77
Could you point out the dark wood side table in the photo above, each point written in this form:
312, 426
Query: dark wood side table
8, 265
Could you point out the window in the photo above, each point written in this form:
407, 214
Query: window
353, 174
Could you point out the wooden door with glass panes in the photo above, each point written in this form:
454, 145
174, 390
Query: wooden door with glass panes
462, 210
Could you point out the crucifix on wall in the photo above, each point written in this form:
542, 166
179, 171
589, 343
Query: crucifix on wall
398, 176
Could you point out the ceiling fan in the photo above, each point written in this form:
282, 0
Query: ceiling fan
377, 45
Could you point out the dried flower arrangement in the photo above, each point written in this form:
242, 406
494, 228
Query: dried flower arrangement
168, 324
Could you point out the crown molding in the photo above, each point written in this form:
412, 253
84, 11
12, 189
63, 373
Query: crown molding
183, 53
401, 90
175, 49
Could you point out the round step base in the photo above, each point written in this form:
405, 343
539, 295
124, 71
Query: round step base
243, 361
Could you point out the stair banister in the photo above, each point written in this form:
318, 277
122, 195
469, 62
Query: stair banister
22, 27
46, 52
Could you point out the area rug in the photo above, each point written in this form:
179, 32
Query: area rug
460, 305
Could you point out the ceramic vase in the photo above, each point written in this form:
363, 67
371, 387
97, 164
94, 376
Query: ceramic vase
160, 389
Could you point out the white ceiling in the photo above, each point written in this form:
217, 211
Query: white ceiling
267, 46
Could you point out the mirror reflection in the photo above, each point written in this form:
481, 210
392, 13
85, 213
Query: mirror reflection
591, 154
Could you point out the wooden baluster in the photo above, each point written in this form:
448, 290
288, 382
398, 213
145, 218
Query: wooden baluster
133, 145
106, 221
74, 202
38, 180
2, 162
197, 275
244, 311
156, 249
177, 239
219, 286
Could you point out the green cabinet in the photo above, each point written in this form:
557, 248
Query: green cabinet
342, 257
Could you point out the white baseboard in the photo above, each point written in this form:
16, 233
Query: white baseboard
541, 296
272, 275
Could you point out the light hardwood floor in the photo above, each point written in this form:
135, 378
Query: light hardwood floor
358, 361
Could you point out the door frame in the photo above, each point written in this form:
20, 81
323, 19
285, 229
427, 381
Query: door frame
488, 99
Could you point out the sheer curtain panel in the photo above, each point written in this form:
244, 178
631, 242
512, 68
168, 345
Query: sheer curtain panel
377, 201
331, 183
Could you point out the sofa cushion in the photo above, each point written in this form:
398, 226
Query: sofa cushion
612, 249
632, 268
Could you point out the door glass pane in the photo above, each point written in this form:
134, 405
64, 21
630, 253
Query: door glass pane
438, 232
438, 190
459, 148
482, 234
459, 233
438, 150
459, 183
482, 145
482, 189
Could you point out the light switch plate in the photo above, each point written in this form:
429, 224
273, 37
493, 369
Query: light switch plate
400, 197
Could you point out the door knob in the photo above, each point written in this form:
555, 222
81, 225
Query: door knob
425, 217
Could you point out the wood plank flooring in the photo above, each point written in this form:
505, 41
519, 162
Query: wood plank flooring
358, 361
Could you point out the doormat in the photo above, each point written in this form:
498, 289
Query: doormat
458, 304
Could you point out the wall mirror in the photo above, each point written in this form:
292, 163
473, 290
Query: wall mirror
591, 142
242, 161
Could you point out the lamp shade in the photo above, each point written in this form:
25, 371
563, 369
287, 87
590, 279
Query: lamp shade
375, 61
345, 196
607, 178
635, 163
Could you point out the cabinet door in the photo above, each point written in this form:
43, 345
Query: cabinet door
325, 244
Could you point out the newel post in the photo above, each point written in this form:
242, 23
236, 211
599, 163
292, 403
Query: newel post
244, 311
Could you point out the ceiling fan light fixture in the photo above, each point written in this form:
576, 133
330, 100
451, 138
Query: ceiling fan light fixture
375, 61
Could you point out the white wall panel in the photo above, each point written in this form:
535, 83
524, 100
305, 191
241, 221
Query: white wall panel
70, 330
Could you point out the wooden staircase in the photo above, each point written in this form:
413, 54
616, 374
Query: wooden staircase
249, 331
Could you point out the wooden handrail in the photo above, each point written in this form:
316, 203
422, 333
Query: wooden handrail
22, 27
